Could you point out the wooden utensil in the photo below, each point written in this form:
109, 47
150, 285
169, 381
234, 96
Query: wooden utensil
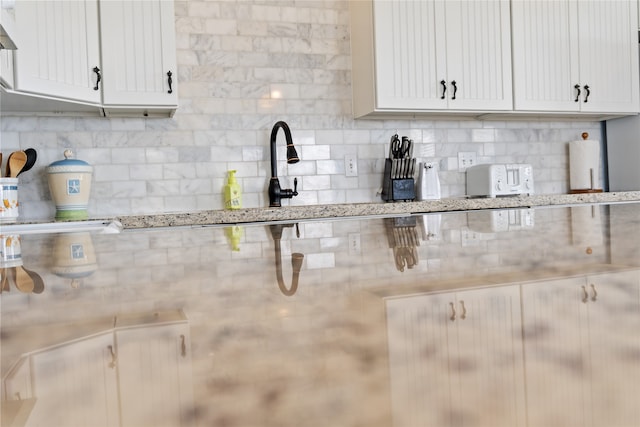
15, 163
9, 278
4, 284
24, 282
38, 283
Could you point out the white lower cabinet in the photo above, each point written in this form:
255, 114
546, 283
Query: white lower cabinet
75, 384
154, 373
130, 376
577, 371
452, 356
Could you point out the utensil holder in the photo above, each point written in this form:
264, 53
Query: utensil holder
397, 189
8, 200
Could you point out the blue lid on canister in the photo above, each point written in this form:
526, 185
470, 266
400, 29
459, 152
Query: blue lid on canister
69, 164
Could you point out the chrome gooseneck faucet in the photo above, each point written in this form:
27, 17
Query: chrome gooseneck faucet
275, 192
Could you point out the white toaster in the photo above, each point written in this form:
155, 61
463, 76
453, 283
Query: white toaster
491, 180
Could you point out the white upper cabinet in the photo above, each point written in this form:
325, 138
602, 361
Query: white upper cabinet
575, 56
420, 56
59, 49
138, 54
6, 68
106, 57
570, 58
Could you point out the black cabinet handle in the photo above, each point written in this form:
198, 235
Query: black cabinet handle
577, 87
455, 89
97, 71
587, 93
170, 81
444, 88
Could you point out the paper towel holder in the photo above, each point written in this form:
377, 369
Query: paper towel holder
585, 135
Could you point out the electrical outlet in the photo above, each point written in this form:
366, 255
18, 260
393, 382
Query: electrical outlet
350, 165
466, 159
354, 243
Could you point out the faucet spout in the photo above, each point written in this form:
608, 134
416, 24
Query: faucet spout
296, 260
275, 192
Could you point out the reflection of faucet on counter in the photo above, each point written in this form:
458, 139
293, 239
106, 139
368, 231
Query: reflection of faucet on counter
296, 259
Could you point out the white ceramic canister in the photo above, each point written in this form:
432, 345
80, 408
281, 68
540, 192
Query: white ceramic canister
10, 251
70, 186
8, 200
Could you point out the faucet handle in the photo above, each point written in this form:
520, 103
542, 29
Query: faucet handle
295, 186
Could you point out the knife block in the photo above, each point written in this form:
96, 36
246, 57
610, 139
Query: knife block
397, 189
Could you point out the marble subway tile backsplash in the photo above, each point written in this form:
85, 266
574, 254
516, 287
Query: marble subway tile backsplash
242, 67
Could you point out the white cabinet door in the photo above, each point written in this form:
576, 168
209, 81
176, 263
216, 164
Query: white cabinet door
554, 325
418, 330
478, 38
154, 370
410, 54
6, 68
75, 384
59, 48
571, 56
138, 53
452, 355
613, 346
431, 55
488, 364
608, 32
581, 344
545, 55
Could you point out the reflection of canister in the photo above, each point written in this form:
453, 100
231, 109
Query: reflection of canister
70, 186
74, 256
8, 200
10, 251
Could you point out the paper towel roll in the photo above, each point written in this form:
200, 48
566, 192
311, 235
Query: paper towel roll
584, 165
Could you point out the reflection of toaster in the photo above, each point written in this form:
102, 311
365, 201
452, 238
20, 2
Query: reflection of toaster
499, 180
490, 221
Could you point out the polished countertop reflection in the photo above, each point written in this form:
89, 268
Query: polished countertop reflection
512, 317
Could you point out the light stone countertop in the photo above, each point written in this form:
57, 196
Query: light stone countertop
293, 213
515, 317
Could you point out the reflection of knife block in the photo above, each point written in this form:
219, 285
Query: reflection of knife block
403, 239
396, 189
